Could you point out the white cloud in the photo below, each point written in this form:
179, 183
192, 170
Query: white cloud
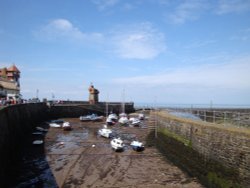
104, 4
233, 6
234, 74
188, 10
64, 30
138, 42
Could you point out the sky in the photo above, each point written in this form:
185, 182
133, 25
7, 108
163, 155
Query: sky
145, 51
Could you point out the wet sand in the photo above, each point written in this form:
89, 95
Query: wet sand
76, 163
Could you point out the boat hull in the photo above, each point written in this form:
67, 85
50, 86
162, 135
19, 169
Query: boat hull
138, 148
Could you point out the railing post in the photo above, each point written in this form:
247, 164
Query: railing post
205, 118
156, 123
213, 116
225, 116
239, 119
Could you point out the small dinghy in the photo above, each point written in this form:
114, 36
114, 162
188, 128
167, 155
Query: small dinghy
37, 142
92, 117
105, 132
113, 117
141, 116
137, 146
110, 121
134, 121
117, 144
57, 121
123, 121
41, 129
66, 126
54, 125
37, 133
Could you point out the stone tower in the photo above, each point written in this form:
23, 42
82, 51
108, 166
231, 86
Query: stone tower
93, 95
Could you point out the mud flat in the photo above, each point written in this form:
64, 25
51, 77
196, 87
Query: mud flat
82, 158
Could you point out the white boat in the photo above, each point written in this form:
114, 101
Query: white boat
123, 121
110, 121
54, 125
85, 118
37, 142
134, 121
137, 146
141, 116
37, 133
113, 117
57, 121
41, 129
92, 117
105, 132
117, 144
95, 117
66, 126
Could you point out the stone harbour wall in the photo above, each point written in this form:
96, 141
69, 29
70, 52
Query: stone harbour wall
77, 110
229, 146
16, 123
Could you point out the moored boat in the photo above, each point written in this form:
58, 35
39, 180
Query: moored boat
105, 132
113, 117
137, 146
110, 121
117, 144
37, 142
123, 121
134, 121
141, 116
66, 126
92, 117
54, 125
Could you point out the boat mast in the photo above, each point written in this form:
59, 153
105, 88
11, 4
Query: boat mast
107, 106
123, 100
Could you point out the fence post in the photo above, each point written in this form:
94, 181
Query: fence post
225, 117
205, 117
213, 116
239, 119
156, 123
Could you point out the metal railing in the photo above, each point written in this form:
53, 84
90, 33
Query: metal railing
236, 117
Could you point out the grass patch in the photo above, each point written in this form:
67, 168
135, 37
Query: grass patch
179, 138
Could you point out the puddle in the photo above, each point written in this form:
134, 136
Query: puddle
73, 136
185, 115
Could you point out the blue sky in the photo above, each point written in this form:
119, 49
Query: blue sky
169, 51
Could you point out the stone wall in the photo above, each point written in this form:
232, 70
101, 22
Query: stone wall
227, 145
77, 110
16, 123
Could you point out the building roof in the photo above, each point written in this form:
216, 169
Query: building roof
13, 68
9, 85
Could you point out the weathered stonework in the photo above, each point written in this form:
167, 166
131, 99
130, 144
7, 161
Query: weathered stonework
228, 146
